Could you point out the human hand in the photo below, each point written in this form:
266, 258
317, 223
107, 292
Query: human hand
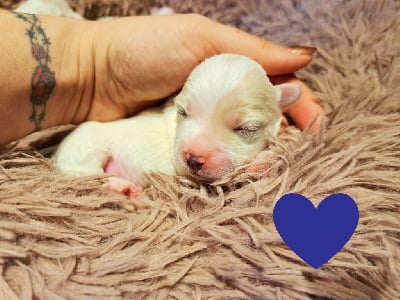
139, 60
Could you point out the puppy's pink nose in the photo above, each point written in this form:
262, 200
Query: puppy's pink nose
194, 162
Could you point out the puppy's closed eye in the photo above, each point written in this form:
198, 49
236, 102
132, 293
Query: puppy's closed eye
182, 112
247, 131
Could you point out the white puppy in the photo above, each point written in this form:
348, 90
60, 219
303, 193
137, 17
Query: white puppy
223, 117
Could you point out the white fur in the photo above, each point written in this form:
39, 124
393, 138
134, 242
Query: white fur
143, 143
158, 139
48, 7
161, 11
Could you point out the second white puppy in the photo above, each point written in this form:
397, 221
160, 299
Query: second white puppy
223, 117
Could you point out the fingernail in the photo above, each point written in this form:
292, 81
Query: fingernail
302, 50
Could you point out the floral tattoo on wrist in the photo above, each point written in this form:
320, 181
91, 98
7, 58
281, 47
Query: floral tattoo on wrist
43, 79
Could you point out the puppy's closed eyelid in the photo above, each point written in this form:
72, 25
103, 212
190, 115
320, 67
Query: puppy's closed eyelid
247, 133
250, 125
249, 129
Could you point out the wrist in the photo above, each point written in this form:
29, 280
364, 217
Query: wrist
73, 64
47, 63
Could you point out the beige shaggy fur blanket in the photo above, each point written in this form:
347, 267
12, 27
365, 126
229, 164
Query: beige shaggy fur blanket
63, 238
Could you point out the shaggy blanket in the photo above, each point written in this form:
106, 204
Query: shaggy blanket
63, 238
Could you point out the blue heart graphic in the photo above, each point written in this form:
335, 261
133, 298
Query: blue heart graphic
316, 234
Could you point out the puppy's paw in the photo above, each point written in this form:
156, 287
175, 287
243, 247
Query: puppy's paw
261, 162
122, 186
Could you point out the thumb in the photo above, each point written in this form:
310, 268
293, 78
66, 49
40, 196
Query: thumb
275, 59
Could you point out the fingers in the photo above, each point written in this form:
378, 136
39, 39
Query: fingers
275, 59
306, 109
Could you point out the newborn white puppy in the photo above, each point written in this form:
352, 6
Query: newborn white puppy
223, 117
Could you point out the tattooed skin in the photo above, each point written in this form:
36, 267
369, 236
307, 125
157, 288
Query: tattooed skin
43, 79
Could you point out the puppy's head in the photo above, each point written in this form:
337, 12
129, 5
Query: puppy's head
227, 111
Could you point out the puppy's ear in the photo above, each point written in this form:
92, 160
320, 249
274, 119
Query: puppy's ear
287, 94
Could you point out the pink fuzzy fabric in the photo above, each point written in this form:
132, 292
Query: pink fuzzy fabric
68, 239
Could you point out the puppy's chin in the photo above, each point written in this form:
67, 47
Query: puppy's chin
206, 175
212, 175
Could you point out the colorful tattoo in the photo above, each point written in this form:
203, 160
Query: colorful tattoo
43, 79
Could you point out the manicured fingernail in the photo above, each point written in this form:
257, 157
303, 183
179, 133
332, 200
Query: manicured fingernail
302, 50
